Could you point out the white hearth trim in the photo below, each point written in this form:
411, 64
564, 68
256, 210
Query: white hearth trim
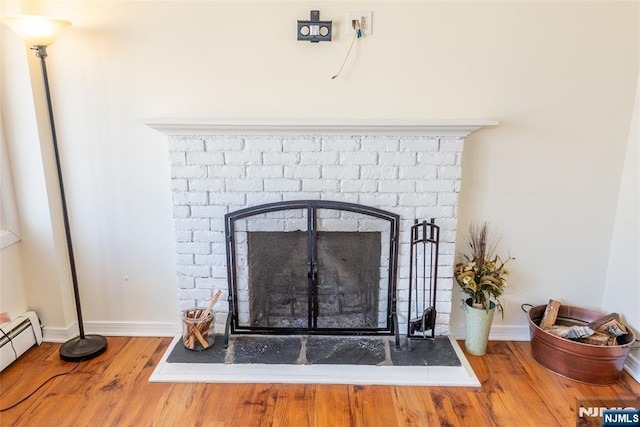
180, 126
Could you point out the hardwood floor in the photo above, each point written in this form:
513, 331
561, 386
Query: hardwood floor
112, 390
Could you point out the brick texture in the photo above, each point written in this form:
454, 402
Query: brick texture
415, 177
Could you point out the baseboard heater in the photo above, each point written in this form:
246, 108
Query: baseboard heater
18, 336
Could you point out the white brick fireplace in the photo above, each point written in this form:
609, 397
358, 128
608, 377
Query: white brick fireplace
217, 167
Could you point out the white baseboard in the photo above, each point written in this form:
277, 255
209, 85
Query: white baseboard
114, 329
59, 335
498, 332
134, 329
632, 366
509, 333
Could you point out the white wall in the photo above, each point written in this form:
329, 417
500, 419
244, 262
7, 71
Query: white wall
559, 76
13, 298
622, 289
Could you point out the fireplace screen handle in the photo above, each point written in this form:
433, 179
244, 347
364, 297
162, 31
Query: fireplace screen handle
312, 270
312, 273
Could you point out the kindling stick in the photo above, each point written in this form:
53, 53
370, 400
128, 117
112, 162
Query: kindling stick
212, 303
200, 338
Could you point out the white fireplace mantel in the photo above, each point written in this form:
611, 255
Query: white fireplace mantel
182, 126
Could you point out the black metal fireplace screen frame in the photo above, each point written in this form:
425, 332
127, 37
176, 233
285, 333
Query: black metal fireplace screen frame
311, 206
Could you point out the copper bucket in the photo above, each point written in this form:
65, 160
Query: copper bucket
588, 363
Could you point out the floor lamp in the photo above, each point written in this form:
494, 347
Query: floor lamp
39, 32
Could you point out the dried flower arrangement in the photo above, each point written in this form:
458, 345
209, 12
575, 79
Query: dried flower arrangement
482, 275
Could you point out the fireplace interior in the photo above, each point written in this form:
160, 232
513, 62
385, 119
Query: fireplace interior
347, 291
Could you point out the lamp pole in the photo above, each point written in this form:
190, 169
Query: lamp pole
83, 347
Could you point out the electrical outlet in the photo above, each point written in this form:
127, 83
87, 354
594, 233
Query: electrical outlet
366, 22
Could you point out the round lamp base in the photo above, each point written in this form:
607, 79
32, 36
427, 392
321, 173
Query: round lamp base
79, 349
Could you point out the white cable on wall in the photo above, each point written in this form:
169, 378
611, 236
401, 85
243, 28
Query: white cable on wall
357, 33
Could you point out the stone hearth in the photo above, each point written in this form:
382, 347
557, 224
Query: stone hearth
320, 350
318, 360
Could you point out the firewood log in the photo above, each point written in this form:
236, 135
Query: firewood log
596, 324
597, 338
570, 332
550, 314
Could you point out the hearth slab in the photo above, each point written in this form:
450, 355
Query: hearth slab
345, 351
266, 349
214, 354
425, 353
320, 350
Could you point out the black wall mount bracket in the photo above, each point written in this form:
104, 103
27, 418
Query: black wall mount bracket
314, 30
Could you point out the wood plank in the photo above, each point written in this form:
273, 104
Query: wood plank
421, 411
332, 407
371, 405
113, 389
294, 406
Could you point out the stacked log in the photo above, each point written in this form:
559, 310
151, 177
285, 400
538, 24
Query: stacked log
604, 331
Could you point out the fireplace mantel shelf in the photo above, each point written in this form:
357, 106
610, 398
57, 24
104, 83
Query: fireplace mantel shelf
182, 126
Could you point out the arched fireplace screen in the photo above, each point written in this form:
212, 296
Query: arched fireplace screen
312, 267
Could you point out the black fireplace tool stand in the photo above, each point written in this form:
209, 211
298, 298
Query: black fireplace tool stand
423, 280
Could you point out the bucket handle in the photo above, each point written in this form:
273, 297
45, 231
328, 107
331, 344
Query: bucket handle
525, 306
635, 346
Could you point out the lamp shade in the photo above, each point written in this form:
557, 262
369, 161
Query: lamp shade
36, 30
